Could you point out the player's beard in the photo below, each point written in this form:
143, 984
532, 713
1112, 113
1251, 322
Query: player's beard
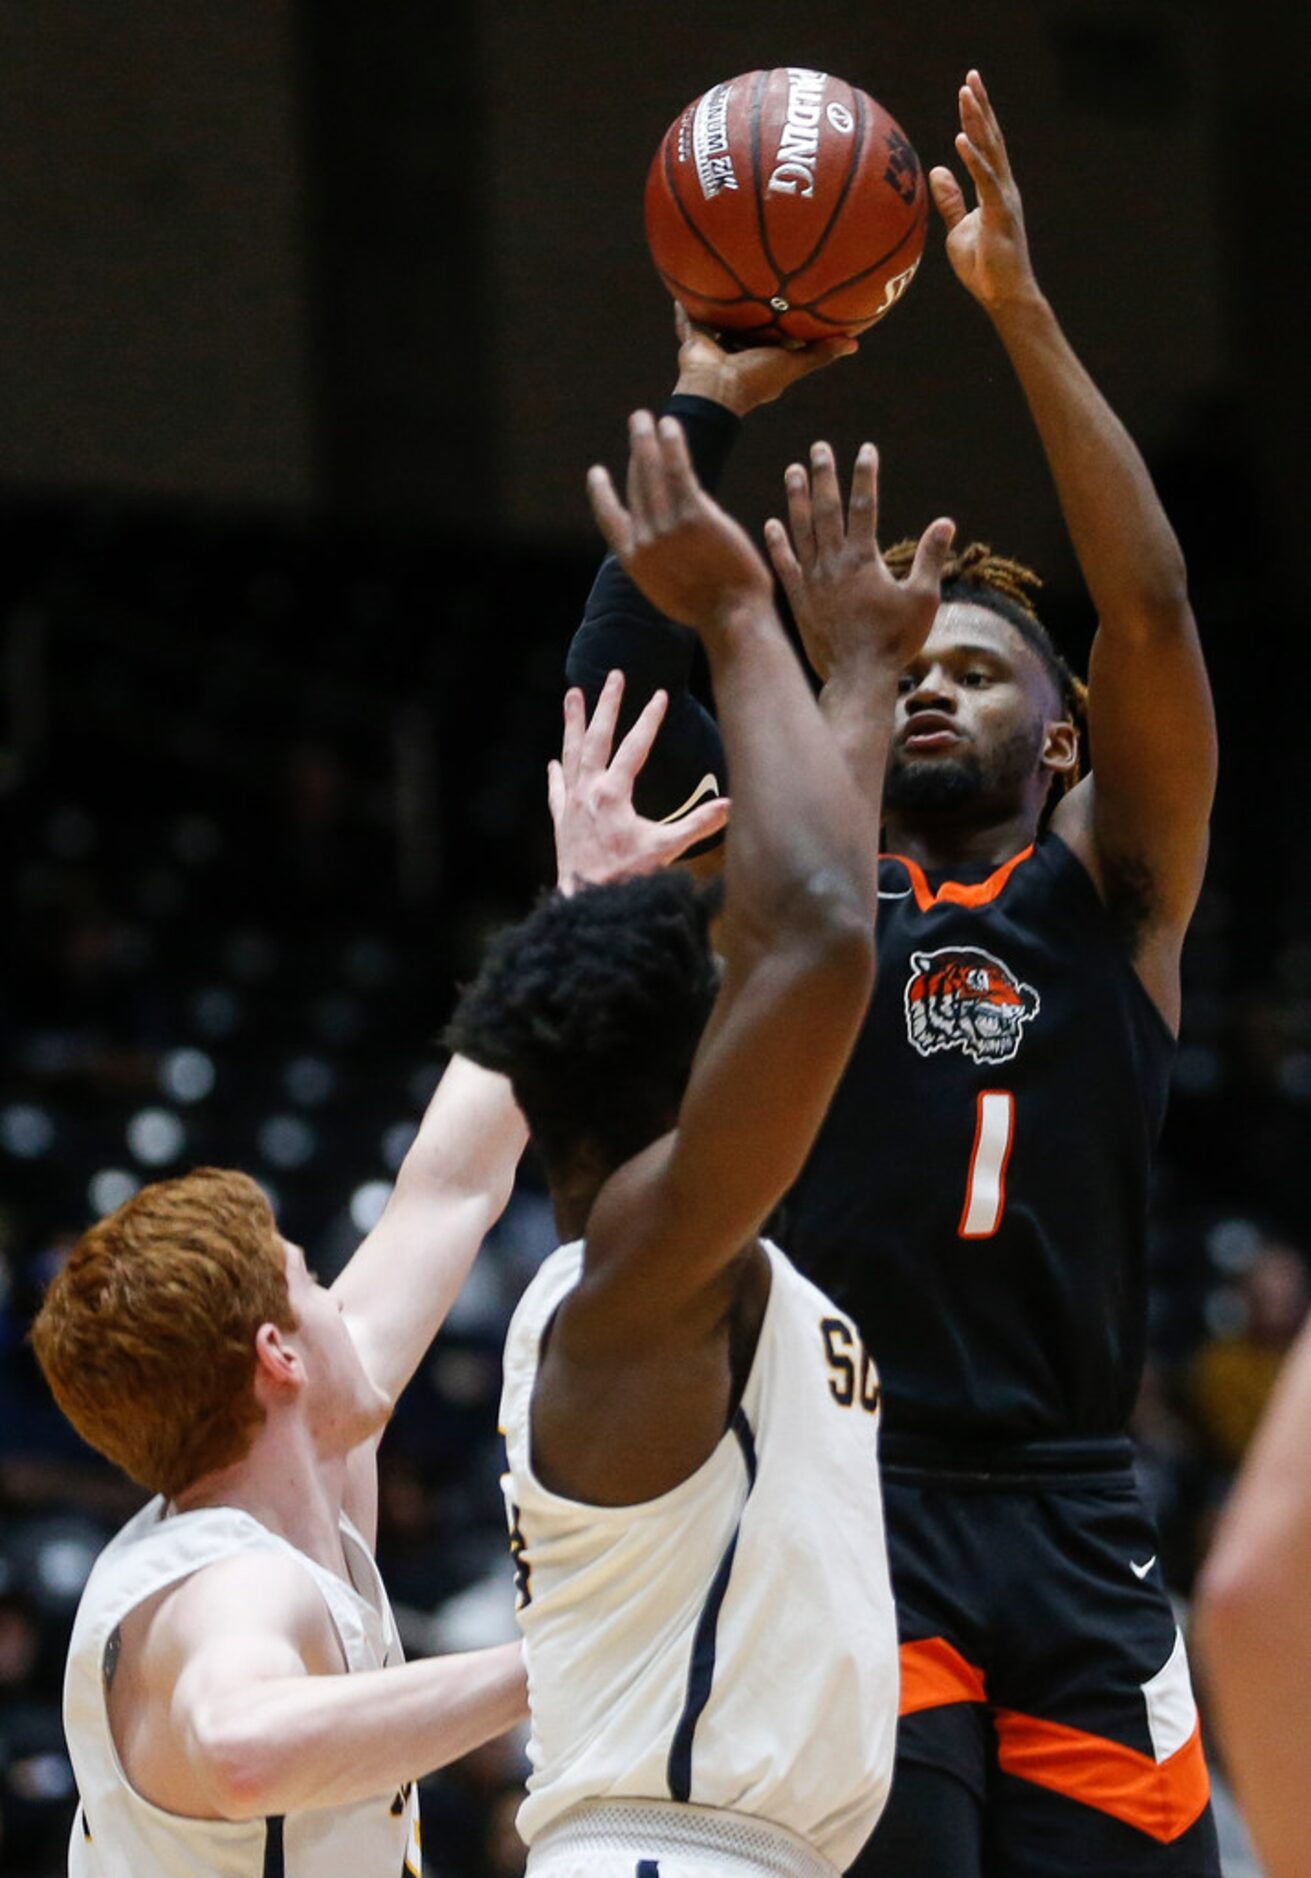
969, 783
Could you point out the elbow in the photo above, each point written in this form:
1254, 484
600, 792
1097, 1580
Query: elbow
235, 1768
828, 905
1161, 607
828, 926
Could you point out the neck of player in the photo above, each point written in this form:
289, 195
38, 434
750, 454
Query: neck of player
950, 838
284, 1483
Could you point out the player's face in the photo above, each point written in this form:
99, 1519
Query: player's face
972, 717
343, 1406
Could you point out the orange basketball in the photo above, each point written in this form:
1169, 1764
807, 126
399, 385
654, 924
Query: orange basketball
786, 204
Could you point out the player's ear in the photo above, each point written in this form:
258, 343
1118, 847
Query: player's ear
278, 1366
1060, 748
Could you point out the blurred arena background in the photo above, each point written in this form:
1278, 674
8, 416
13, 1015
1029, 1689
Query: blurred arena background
312, 317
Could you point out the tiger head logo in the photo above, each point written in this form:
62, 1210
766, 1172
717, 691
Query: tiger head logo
963, 998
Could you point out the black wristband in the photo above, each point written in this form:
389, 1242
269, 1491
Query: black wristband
711, 430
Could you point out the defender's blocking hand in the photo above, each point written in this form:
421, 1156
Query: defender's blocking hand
599, 835
847, 605
691, 560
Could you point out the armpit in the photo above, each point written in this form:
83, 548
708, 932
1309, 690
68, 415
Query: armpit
1132, 900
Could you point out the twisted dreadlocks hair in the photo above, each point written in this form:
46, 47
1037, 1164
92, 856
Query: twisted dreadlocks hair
978, 576
593, 1007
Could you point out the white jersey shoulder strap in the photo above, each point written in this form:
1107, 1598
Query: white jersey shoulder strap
555, 1279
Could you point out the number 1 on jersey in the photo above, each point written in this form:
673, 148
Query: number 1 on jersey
985, 1188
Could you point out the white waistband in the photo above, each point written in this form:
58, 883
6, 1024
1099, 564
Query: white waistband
652, 1829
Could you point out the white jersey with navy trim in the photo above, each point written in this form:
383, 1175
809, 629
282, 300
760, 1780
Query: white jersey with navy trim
118, 1834
730, 1644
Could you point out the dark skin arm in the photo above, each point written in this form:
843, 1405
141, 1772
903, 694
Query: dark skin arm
637, 1380
1140, 825
620, 626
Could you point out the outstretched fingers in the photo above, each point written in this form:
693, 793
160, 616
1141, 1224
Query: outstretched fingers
612, 518
863, 505
825, 499
598, 738
556, 792
931, 552
636, 746
677, 837
986, 183
948, 196
801, 516
987, 133
575, 725
682, 489
784, 562
648, 494
980, 142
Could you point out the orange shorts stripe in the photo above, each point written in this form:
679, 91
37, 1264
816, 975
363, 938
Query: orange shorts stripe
1160, 1798
933, 1674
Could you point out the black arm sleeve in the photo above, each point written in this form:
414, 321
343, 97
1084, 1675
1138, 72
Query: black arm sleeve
622, 631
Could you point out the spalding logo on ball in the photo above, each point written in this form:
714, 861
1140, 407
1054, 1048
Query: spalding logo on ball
787, 204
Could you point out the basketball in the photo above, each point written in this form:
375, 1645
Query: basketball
787, 205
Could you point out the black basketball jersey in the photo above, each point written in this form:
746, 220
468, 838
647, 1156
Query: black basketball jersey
977, 1196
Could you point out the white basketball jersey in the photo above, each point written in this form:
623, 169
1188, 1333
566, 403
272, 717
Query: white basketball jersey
732, 1643
117, 1833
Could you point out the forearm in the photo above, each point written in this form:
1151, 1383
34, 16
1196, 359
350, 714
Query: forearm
858, 705
798, 829
1127, 550
469, 1141
453, 1186
332, 1740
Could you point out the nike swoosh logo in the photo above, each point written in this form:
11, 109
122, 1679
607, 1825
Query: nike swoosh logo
903, 895
707, 787
1141, 1571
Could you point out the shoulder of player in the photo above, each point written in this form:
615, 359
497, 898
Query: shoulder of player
259, 1592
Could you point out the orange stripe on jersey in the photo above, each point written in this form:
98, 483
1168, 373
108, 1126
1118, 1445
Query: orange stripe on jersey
933, 1674
956, 892
1161, 1798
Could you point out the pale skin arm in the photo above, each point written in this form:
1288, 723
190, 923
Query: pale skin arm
243, 1717
1253, 1626
1141, 824
457, 1178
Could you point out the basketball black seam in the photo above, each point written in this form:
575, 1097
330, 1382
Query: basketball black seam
703, 238
677, 286
873, 268
757, 191
843, 193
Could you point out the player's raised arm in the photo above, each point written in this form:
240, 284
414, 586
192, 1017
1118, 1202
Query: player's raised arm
1254, 1625
456, 1180
622, 628
1140, 825
798, 912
